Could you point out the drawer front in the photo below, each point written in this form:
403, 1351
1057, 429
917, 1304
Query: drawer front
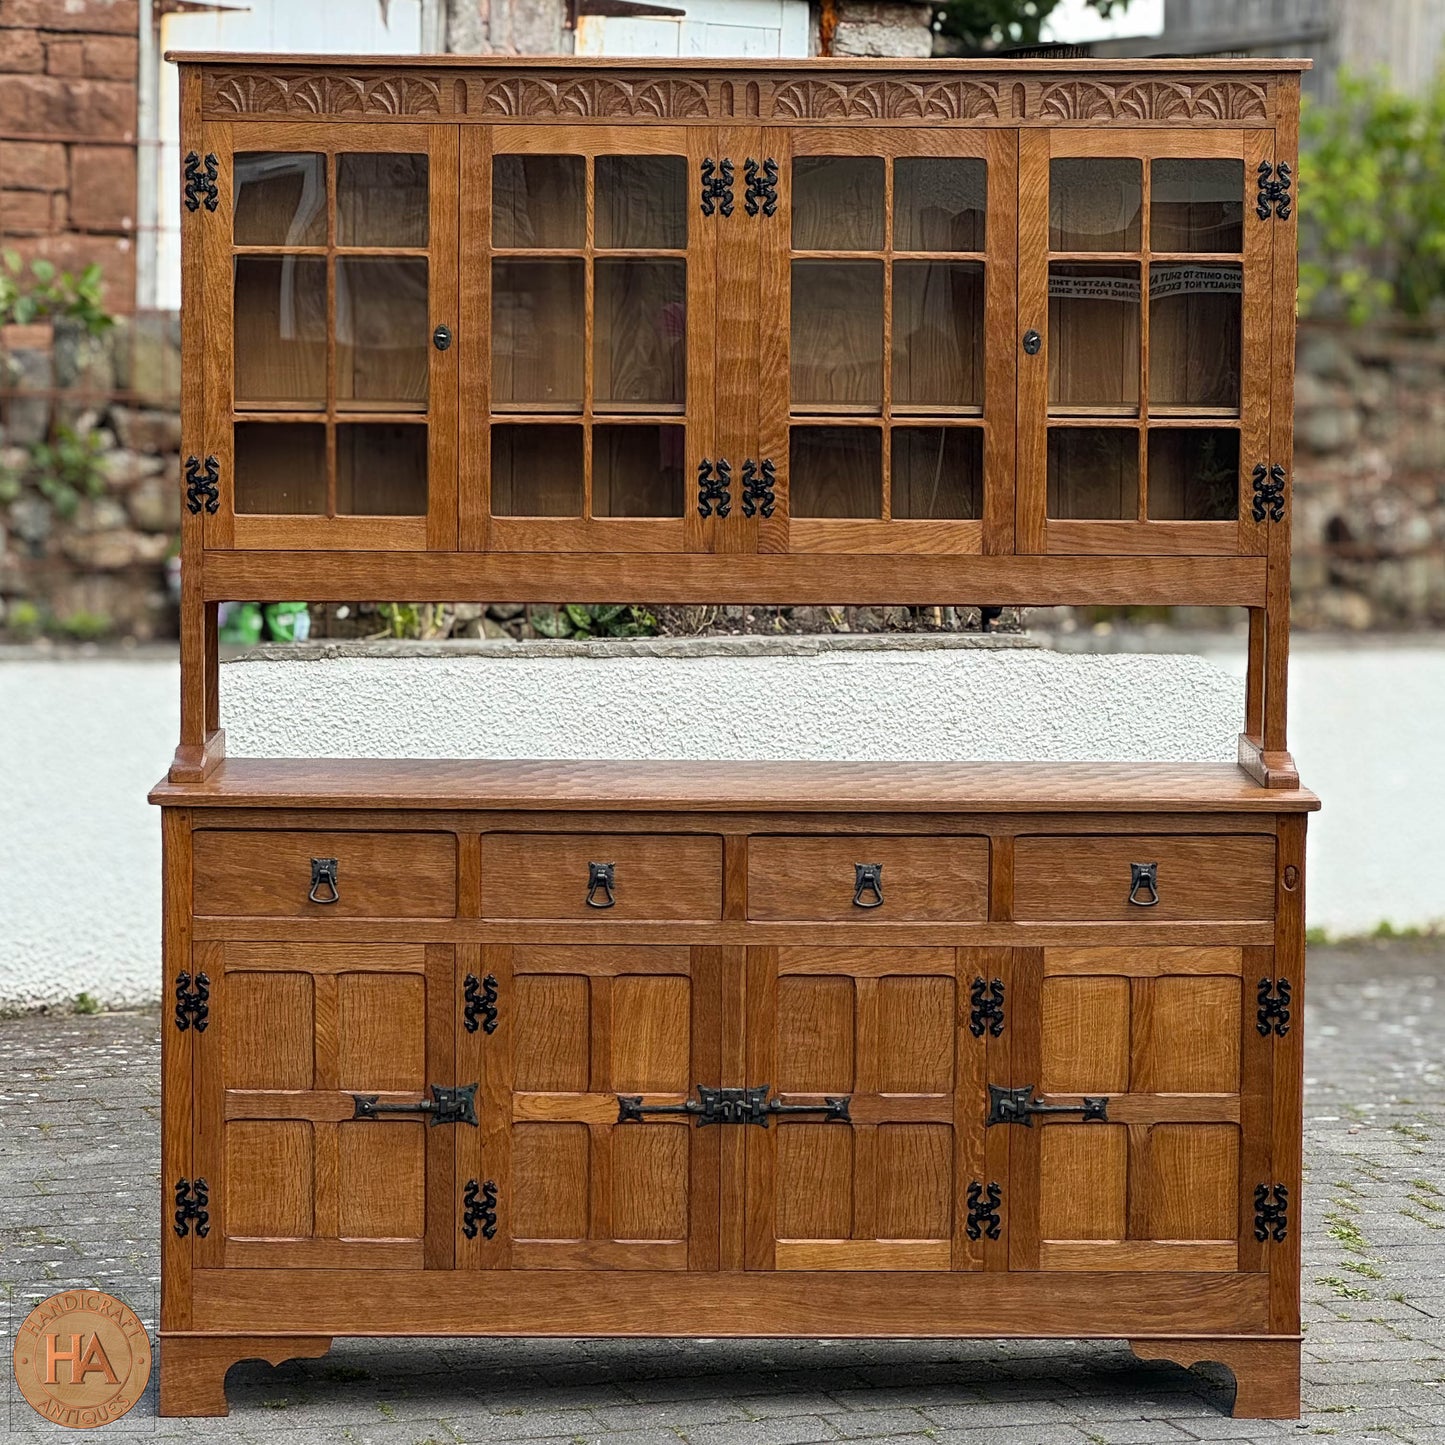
601, 876
868, 880
1093, 880
286, 875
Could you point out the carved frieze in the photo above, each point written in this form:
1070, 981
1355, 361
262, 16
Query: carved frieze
1156, 98
885, 98
328, 93
581, 97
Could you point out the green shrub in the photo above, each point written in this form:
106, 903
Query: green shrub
45, 294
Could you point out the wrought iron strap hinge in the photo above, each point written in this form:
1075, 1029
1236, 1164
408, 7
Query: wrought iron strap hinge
191, 1202
1273, 1016
729, 1106
1268, 492
479, 1203
762, 191
192, 1004
985, 1014
759, 479
717, 187
1271, 1213
203, 485
1274, 197
1018, 1106
446, 1106
714, 488
983, 1210
481, 1003
200, 182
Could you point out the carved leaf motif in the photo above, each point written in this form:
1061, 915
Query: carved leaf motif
328, 95
1072, 100
662, 98
816, 99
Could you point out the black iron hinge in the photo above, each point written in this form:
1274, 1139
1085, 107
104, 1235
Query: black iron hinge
1273, 1015
983, 1210
759, 479
481, 1003
986, 1011
717, 187
1274, 197
192, 1004
203, 487
191, 1202
200, 179
479, 1208
1268, 492
762, 191
714, 488
1271, 1213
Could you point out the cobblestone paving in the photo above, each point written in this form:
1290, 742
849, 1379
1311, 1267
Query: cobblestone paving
79, 1203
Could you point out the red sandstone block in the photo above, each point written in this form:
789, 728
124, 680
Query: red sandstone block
112, 57
24, 213
21, 51
114, 17
52, 106
65, 57
33, 166
102, 188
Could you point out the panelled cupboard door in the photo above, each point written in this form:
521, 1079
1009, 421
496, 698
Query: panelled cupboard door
875, 1087
330, 302
888, 348
585, 1158
586, 346
1144, 306
1168, 1039
295, 1034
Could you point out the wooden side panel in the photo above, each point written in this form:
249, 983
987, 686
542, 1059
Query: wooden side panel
178, 1099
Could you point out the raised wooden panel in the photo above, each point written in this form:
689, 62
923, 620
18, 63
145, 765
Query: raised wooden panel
550, 1177
1187, 1037
381, 1031
268, 1180
547, 876
1085, 1035
915, 1181
1083, 1181
550, 1032
815, 1035
917, 1035
381, 1177
923, 879
815, 1181
651, 1037
1193, 1184
1089, 879
379, 875
650, 1183
269, 1031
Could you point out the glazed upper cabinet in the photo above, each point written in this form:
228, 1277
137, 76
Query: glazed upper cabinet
784, 339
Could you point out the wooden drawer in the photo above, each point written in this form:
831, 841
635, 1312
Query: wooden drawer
378, 875
1091, 879
926, 880
624, 875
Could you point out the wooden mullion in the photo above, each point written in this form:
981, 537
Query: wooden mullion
1256, 1069
443, 1195
589, 324
760, 1225
885, 429
599, 1193
1022, 1037
1031, 479
332, 341
1145, 263
208, 1155
443, 263
487, 1155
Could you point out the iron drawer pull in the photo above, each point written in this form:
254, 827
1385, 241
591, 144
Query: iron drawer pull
729, 1106
323, 875
1142, 876
867, 878
446, 1106
599, 875
1018, 1106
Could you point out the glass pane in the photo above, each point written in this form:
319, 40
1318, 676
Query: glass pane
1194, 336
536, 471
539, 200
382, 341
280, 333
937, 472
537, 329
1194, 474
381, 200
637, 471
939, 203
938, 333
837, 339
1196, 205
1094, 473
838, 203
836, 471
639, 335
280, 199
1093, 338
380, 470
642, 202
1095, 204
281, 469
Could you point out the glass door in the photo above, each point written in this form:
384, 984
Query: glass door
1144, 321
587, 392
331, 388
887, 409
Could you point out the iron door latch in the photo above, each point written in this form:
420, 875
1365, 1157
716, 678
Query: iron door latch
446, 1106
729, 1106
1018, 1106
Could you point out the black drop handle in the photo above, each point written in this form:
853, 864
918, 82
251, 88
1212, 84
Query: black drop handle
323, 876
1144, 884
868, 885
600, 877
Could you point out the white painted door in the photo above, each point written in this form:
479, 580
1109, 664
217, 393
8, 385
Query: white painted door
747, 29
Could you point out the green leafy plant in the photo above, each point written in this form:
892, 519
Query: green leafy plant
45, 294
412, 620
68, 468
1372, 235
984, 25
86, 1004
581, 621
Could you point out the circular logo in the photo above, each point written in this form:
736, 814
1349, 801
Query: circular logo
82, 1358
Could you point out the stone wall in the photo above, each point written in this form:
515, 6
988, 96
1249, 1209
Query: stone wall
1369, 481
68, 73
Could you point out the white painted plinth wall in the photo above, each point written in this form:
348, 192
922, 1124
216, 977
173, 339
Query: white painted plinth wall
81, 744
